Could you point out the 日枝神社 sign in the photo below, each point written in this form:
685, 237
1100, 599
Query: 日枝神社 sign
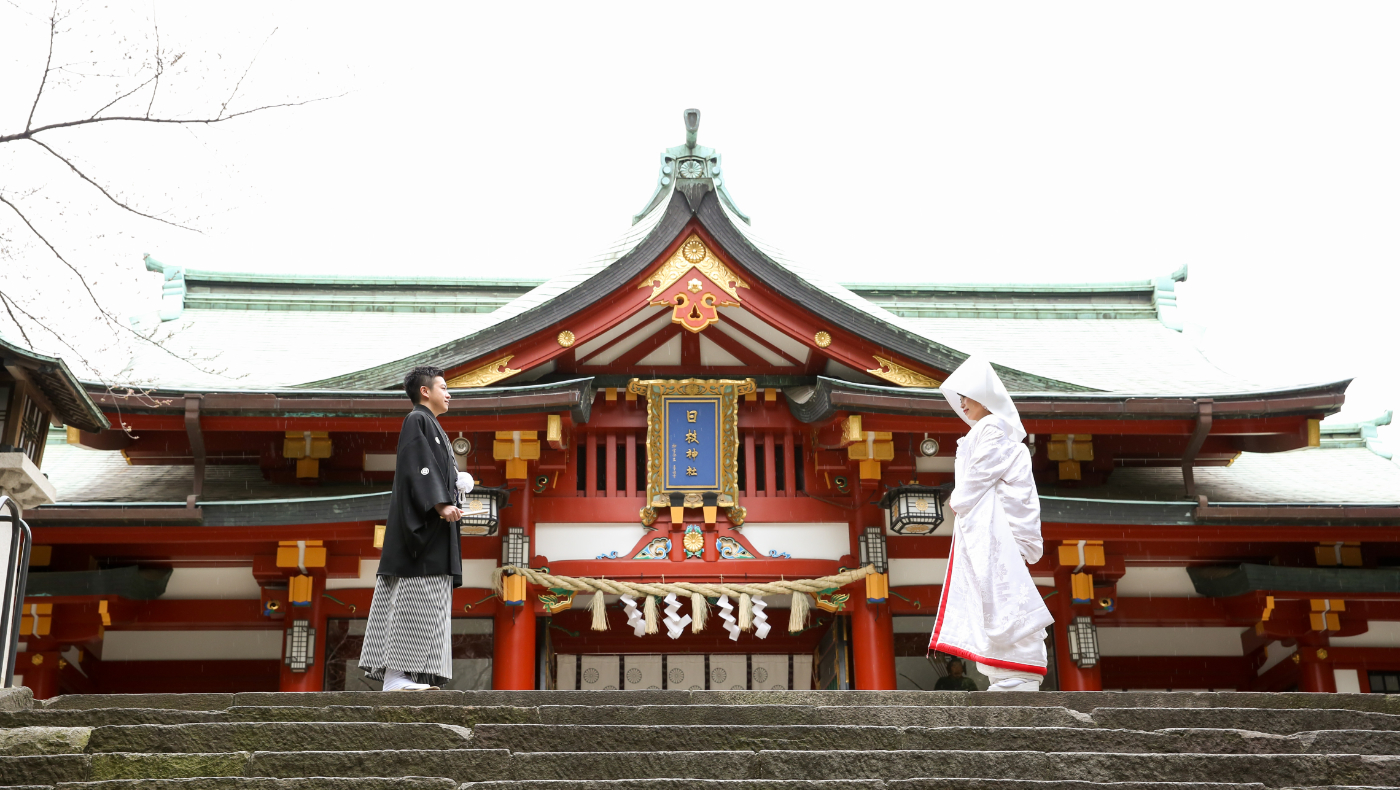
692, 444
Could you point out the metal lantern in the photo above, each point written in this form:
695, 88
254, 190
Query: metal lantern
299, 651
487, 504
915, 510
1083, 642
515, 548
872, 550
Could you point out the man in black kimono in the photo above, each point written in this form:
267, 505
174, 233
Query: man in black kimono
408, 639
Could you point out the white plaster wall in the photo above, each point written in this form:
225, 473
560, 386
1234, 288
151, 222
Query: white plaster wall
1170, 642
211, 584
365, 580
192, 645
477, 573
802, 541
1348, 681
917, 571
1138, 582
586, 541
1378, 634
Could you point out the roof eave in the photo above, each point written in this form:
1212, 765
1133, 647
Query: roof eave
60, 386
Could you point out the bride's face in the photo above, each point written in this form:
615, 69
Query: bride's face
974, 410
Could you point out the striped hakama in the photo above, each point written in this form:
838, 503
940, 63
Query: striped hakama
410, 629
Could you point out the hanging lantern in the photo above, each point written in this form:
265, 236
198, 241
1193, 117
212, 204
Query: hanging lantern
482, 510
914, 509
299, 651
872, 550
515, 548
1083, 642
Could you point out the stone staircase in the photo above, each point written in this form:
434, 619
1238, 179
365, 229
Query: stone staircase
699, 740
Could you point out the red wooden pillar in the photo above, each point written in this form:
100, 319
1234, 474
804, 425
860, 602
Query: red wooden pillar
1315, 668
513, 643
1071, 677
40, 671
872, 625
314, 678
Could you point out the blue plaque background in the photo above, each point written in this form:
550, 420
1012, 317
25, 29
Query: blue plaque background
675, 443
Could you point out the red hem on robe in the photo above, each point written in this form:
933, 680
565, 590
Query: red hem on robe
943, 647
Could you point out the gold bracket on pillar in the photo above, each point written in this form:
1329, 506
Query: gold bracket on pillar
516, 448
1346, 553
1324, 615
867, 447
513, 587
1069, 449
37, 620
554, 432
308, 448
1092, 555
299, 590
301, 554
877, 587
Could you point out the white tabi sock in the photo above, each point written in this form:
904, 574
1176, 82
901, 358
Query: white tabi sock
395, 680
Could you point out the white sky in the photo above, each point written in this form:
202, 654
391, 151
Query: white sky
1252, 141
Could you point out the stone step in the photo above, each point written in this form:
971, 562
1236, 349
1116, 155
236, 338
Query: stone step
264, 783
900, 715
676, 738
478, 765
859, 784
1280, 722
1083, 701
277, 736
464, 716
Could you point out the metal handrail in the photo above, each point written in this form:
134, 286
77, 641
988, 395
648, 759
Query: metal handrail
17, 567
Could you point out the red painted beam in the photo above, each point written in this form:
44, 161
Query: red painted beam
697, 570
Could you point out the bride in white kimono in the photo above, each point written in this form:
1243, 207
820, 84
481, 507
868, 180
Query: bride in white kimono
990, 611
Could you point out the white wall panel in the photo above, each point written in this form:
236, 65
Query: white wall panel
642, 672
1170, 642
770, 673
685, 671
598, 673
803, 541
586, 541
802, 672
193, 645
1139, 582
1348, 681
917, 571
566, 672
729, 672
1378, 634
221, 584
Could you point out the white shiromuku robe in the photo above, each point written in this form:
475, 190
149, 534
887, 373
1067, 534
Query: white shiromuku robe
990, 610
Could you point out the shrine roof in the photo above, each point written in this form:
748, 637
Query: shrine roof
57, 384
1312, 475
88, 476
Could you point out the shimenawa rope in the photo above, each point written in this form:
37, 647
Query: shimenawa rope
799, 590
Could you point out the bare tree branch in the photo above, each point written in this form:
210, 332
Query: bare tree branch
25, 135
108, 195
112, 320
53, 30
160, 66
18, 325
123, 96
239, 84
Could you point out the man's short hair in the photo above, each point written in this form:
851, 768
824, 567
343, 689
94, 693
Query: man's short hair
953, 661
421, 376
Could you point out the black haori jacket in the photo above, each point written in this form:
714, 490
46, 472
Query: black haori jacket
417, 542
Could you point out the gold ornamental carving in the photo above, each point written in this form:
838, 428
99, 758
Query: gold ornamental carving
822, 339
490, 373
904, 377
693, 253
566, 338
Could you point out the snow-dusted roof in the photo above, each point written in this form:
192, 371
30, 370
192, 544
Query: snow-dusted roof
1312, 475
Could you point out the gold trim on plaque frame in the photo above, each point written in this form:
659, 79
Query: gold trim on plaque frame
657, 392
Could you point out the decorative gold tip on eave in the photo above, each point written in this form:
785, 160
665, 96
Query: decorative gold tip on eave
902, 376
490, 373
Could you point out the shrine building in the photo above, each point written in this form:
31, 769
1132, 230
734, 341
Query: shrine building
688, 406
